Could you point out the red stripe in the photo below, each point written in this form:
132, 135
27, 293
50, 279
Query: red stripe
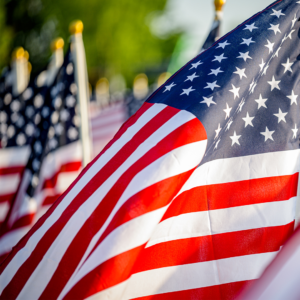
7, 198
190, 132
64, 168
226, 291
185, 251
11, 170
115, 268
213, 247
218, 196
37, 254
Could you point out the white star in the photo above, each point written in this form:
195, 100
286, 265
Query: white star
219, 58
222, 45
168, 87
295, 130
241, 105
253, 86
64, 115
244, 56
275, 28
294, 21
218, 131
247, 41
240, 72
274, 84
235, 139
280, 116
250, 27
268, 134
277, 52
229, 124
248, 120
293, 98
284, 38
270, 46
208, 101
72, 133
261, 102
235, 91
277, 13
195, 65
216, 71
262, 65
217, 143
187, 91
191, 77
227, 111
265, 70
211, 85
287, 66
290, 35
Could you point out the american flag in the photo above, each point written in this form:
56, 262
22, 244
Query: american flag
54, 153
16, 133
195, 194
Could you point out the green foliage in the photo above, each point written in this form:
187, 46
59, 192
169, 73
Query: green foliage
116, 33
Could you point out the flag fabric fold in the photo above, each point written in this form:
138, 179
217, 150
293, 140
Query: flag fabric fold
195, 194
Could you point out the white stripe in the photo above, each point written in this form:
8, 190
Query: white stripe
114, 292
11, 238
14, 156
53, 161
245, 168
98, 133
224, 220
4, 207
9, 184
198, 275
117, 117
24, 253
182, 160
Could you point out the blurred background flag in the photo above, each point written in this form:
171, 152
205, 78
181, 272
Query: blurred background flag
184, 175
55, 154
214, 33
280, 280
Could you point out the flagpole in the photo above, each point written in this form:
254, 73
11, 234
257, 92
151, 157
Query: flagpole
219, 9
57, 59
80, 69
20, 70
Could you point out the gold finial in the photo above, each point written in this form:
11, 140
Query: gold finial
76, 27
18, 53
219, 4
57, 44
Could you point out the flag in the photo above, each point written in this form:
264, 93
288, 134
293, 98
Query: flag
54, 155
280, 280
16, 132
195, 194
105, 123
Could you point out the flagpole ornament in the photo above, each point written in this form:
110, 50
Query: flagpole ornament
20, 70
56, 44
219, 8
81, 78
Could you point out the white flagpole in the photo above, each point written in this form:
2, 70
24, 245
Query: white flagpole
77, 49
57, 59
20, 70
